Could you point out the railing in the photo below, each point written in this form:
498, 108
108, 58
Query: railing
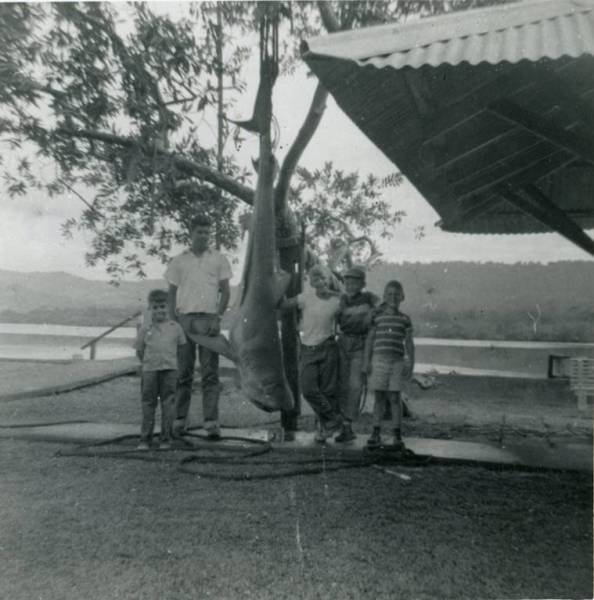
93, 343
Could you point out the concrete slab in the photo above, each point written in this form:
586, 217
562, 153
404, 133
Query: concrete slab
433, 369
532, 453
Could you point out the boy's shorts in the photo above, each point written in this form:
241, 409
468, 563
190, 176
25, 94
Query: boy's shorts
386, 375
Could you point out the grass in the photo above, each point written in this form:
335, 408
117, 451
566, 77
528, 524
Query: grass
103, 528
78, 527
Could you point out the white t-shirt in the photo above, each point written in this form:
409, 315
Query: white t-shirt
319, 315
197, 280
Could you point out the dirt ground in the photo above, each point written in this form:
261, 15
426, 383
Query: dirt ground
103, 527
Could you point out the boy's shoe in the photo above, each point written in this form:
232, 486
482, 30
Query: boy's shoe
164, 446
320, 437
375, 440
288, 435
143, 446
346, 435
179, 427
213, 433
326, 430
331, 426
397, 445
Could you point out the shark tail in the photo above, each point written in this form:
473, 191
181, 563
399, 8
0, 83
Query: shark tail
217, 343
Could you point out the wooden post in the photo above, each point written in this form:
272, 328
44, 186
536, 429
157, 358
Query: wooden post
289, 262
93, 343
220, 115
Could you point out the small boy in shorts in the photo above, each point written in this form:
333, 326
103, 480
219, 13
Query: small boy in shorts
157, 342
389, 361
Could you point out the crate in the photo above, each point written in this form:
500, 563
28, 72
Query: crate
558, 366
581, 380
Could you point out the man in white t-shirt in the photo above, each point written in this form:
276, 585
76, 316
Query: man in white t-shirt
199, 294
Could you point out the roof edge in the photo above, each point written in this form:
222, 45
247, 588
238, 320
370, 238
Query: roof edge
363, 43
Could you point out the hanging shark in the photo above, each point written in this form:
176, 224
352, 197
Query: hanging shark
254, 340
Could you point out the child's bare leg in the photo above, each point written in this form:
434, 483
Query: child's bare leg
396, 403
379, 406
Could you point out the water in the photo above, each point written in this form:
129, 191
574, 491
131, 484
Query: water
51, 342
60, 342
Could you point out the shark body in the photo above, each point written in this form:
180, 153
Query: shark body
254, 341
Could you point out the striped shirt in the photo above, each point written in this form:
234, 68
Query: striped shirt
390, 333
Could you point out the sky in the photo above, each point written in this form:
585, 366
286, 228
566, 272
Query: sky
30, 227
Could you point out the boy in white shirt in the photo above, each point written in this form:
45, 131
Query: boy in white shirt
318, 364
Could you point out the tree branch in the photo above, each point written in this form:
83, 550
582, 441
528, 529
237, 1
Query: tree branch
329, 19
309, 126
183, 164
26, 84
306, 132
81, 198
353, 239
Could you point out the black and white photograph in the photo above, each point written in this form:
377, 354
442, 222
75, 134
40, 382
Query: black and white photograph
297, 300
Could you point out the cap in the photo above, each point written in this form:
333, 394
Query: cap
355, 273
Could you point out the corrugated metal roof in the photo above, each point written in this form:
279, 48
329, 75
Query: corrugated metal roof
512, 32
494, 124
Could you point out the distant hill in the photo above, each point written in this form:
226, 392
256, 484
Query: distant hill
491, 286
67, 299
495, 300
447, 299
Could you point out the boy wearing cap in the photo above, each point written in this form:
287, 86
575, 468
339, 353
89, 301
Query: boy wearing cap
157, 343
354, 320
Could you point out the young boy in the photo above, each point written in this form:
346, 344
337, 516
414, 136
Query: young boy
319, 353
157, 343
389, 358
354, 320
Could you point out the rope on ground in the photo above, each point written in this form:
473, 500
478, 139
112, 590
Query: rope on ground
235, 457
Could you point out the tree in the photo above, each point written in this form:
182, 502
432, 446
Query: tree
116, 112
114, 98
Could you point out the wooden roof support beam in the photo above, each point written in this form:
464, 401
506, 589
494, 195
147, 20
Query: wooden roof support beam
440, 161
470, 211
519, 79
540, 165
535, 203
458, 177
570, 97
582, 145
525, 77
420, 92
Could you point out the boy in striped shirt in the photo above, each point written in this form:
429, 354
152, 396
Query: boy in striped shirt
389, 360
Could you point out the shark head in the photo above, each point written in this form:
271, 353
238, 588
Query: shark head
268, 391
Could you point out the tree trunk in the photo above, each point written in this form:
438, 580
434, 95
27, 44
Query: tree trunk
220, 121
289, 261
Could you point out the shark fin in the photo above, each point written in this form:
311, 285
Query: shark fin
260, 119
217, 343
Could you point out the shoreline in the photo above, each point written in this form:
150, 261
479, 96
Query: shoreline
83, 331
